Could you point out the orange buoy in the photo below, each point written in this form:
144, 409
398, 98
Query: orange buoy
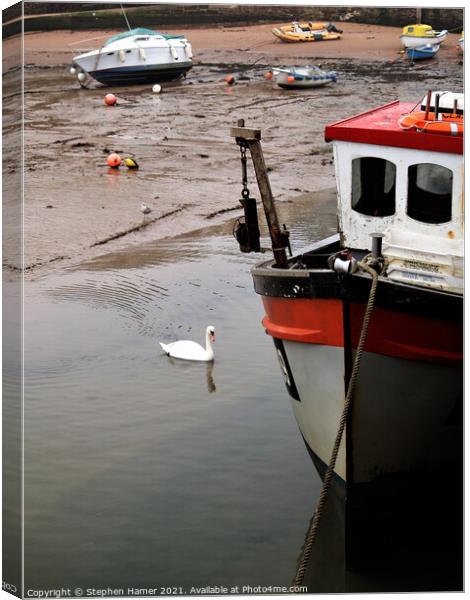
269, 75
114, 160
110, 100
290, 78
446, 124
230, 79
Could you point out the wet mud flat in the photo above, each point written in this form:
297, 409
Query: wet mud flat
76, 207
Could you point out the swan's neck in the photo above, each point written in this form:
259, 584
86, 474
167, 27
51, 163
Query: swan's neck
208, 342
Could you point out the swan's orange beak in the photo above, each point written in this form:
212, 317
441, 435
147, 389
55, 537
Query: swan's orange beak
212, 337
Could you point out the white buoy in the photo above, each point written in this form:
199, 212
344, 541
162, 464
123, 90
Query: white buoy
73, 71
81, 77
157, 88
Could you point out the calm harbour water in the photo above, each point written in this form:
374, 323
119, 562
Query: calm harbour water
143, 471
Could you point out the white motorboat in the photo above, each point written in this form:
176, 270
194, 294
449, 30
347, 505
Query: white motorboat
136, 56
301, 77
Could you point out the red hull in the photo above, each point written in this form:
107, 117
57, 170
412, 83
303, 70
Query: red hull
391, 333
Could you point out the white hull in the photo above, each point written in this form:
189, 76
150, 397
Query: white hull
302, 77
282, 81
410, 41
146, 58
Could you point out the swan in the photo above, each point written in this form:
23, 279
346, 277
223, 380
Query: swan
188, 350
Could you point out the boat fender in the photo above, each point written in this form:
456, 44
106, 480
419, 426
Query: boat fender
142, 54
189, 51
343, 262
122, 56
174, 54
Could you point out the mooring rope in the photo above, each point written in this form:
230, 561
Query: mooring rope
312, 533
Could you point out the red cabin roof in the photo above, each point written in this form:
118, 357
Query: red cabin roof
380, 126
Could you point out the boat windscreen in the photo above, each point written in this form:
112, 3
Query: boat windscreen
140, 31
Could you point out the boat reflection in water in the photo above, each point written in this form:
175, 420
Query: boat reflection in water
402, 537
397, 259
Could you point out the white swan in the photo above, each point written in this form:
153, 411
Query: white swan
188, 350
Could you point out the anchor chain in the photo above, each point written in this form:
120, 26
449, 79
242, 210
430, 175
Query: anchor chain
245, 190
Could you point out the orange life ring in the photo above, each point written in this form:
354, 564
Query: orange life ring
447, 124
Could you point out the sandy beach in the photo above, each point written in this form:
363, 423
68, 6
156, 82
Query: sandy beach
236, 43
76, 207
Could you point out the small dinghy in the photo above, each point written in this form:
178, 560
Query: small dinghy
189, 350
423, 52
307, 32
301, 77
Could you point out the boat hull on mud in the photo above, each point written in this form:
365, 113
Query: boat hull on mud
139, 75
135, 58
307, 32
303, 77
423, 52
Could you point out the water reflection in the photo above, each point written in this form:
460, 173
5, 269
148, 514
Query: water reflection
207, 367
211, 387
398, 535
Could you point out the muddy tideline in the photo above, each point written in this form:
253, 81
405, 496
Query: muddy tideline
76, 208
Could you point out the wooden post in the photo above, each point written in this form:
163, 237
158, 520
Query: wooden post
279, 238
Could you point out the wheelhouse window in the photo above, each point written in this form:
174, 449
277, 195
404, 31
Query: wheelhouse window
373, 186
429, 193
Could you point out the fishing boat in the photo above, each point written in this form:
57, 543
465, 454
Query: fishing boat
414, 36
367, 324
423, 52
136, 56
301, 77
307, 32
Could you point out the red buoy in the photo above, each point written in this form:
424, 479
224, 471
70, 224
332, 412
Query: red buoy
230, 79
110, 100
290, 78
269, 75
114, 160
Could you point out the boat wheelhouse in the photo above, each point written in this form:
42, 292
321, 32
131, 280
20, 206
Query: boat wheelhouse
416, 35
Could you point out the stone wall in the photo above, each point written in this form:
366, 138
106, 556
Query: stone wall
161, 15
